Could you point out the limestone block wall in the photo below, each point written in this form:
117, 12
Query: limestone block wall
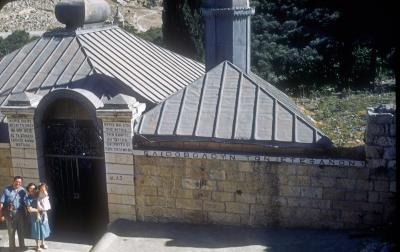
259, 193
120, 189
23, 144
5, 165
380, 139
380, 152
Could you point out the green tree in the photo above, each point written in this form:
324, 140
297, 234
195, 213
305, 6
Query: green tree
14, 41
287, 43
367, 37
305, 42
183, 27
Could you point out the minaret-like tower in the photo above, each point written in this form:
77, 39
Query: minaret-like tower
227, 32
79, 13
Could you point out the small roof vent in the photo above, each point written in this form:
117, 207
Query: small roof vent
77, 13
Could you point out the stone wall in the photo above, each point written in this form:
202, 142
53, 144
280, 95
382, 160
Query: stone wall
380, 152
5, 165
258, 193
273, 194
255, 193
380, 139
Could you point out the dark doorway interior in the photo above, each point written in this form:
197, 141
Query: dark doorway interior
75, 170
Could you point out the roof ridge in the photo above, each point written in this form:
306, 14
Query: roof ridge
83, 49
249, 90
86, 30
293, 110
152, 88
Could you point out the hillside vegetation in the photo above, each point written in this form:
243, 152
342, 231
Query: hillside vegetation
38, 15
342, 117
344, 44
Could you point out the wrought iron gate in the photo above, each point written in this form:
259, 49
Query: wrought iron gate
75, 172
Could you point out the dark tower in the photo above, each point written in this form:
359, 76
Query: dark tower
227, 32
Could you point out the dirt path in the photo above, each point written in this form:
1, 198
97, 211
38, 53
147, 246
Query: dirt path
149, 18
35, 15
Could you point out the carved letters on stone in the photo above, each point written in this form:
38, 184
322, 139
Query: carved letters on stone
256, 158
117, 137
22, 134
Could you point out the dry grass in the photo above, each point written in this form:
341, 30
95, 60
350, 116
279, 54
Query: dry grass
342, 117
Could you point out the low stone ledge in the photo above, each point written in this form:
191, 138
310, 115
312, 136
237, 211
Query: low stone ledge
389, 153
373, 152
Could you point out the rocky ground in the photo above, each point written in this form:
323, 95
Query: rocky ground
38, 15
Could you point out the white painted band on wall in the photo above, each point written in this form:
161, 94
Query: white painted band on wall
248, 157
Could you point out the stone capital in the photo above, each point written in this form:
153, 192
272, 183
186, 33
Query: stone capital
21, 105
120, 108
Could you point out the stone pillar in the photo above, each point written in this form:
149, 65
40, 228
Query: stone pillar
19, 111
5, 165
380, 151
117, 116
380, 137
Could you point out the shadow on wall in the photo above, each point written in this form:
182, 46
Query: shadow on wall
218, 236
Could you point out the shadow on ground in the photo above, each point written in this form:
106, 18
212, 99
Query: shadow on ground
73, 237
58, 241
215, 237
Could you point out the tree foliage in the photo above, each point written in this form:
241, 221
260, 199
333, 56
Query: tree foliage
304, 42
183, 27
314, 43
14, 41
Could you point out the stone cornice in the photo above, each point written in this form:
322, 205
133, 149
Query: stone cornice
228, 12
18, 110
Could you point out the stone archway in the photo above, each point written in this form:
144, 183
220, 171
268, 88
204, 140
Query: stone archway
72, 159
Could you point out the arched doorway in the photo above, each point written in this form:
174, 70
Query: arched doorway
74, 168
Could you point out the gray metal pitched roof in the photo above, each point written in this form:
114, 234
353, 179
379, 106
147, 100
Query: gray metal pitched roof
227, 105
151, 71
104, 60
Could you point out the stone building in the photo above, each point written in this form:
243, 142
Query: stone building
121, 128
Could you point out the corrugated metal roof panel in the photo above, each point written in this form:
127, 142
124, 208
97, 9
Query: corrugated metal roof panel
186, 122
123, 63
245, 111
169, 118
152, 72
227, 105
6, 60
264, 128
225, 109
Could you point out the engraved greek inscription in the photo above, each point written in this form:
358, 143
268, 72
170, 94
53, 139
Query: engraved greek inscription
117, 137
21, 132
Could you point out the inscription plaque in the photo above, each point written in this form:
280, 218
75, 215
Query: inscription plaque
117, 137
22, 133
120, 179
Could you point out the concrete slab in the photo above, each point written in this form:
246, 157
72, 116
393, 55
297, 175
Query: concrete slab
65, 242
149, 237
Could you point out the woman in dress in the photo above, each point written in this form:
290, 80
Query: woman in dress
40, 229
